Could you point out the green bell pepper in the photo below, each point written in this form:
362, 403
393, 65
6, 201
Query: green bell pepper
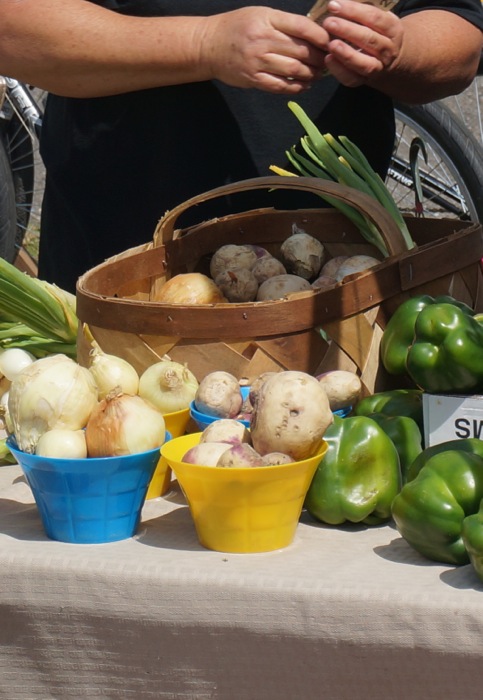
472, 534
473, 445
399, 332
358, 477
406, 436
429, 510
447, 351
395, 402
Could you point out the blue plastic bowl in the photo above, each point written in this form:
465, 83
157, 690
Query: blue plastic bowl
342, 412
203, 420
88, 501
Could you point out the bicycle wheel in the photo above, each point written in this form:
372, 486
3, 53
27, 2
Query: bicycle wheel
8, 219
451, 179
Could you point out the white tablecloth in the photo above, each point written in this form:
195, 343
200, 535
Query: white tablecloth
347, 613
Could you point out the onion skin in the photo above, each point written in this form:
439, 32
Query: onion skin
52, 392
190, 288
168, 385
122, 424
63, 444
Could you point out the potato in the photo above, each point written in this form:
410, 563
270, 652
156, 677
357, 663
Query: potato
291, 415
275, 458
219, 395
226, 430
330, 268
237, 284
229, 256
343, 388
356, 263
205, 454
302, 254
267, 267
280, 286
324, 282
242, 455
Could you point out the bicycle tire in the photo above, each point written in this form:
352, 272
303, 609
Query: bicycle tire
20, 151
452, 179
8, 208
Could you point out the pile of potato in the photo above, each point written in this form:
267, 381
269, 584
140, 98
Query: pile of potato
244, 273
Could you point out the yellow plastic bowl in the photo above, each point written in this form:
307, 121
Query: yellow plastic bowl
176, 423
246, 509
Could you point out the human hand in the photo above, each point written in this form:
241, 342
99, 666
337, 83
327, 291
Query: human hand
263, 48
365, 41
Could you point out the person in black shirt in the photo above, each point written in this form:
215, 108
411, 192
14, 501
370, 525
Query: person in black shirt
154, 101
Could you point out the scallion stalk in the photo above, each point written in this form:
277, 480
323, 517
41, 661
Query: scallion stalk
342, 161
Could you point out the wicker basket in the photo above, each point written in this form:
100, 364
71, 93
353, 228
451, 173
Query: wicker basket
249, 338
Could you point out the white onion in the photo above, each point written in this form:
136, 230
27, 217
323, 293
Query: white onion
122, 424
66, 444
53, 392
168, 385
110, 371
13, 361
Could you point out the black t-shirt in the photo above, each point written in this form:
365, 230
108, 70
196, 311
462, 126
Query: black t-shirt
116, 164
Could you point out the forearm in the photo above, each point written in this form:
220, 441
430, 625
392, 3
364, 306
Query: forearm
76, 48
419, 74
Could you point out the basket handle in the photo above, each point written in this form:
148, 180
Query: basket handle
367, 205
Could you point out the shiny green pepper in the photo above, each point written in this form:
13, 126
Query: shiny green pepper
358, 476
429, 510
399, 332
396, 402
473, 445
406, 436
447, 351
472, 534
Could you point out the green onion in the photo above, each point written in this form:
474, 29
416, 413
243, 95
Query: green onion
342, 161
35, 314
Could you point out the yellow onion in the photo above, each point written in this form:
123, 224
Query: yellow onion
66, 444
122, 424
168, 385
110, 371
53, 392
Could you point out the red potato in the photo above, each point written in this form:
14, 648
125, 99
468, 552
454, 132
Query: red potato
291, 415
